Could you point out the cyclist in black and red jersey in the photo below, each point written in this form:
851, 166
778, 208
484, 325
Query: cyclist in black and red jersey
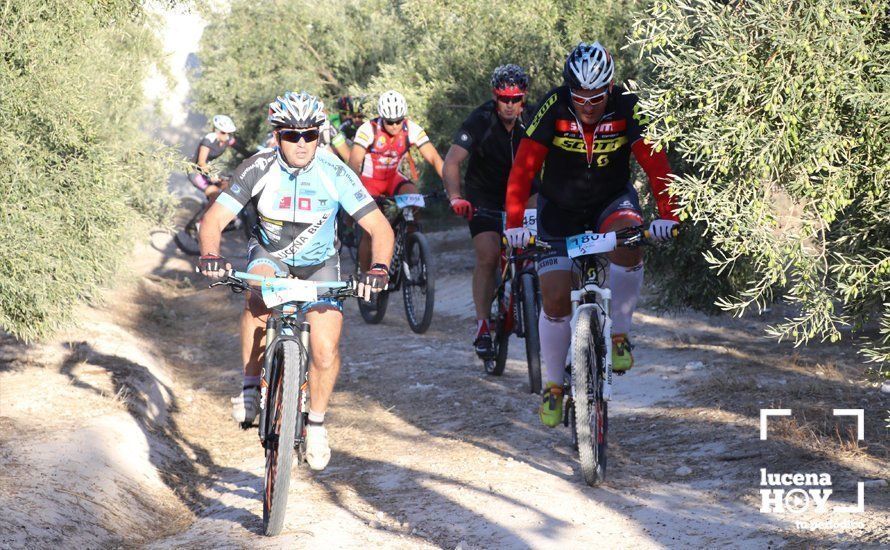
211, 147
583, 135
489, 138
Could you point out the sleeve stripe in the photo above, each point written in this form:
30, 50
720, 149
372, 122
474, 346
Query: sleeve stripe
363, 211
230, 203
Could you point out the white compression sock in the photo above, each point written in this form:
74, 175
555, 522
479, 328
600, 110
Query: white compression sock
556, 336
315, 417
625, 283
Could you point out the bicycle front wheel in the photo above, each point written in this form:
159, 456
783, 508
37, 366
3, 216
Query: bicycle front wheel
418, 288
190, 212
281, 430
591, 409
530, 311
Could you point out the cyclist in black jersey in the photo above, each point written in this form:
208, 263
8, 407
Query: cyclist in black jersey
211, 147
583, 135
489, 138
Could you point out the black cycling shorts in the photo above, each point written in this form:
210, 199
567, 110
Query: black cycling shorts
555, 224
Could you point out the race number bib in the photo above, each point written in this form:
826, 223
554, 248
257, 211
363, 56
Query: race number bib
413, 199
586, 244
282, 291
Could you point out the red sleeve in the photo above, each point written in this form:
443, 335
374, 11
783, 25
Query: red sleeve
657, 168
529, 159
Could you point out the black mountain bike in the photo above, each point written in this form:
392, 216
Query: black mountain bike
187, 237
410, 268
284, 389
515, 310
589, 375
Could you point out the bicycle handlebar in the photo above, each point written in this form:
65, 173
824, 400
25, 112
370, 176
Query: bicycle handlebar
237, 281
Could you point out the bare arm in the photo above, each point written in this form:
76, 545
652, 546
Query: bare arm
429, 154
451, 170
382, 237
203, 151
356, 158
210, 233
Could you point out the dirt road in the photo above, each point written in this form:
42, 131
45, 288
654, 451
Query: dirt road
428, 451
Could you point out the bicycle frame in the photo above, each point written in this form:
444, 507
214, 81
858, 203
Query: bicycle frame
284, 324
511, 273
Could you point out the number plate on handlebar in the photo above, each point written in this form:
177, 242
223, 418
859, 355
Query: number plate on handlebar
282, 291
586, 244
412, 199
529, 220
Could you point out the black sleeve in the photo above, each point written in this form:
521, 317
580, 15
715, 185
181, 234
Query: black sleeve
469, 132
241, 147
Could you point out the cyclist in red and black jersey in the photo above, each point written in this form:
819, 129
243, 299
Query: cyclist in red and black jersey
583, 136
489, 138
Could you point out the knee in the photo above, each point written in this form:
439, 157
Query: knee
487, 260
256, 310
325, 356
626, 257
556, 302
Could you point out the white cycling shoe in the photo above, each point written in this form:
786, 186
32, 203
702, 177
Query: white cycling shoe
318, 452
246, 406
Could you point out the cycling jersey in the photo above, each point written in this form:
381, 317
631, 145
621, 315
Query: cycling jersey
297, 207
492, 149
385, 151
584, 170
215, 148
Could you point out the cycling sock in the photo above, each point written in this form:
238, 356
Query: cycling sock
556, 335
315, 418
625, 283
251, 381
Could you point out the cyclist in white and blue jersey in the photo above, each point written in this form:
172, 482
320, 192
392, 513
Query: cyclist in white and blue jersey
296, 190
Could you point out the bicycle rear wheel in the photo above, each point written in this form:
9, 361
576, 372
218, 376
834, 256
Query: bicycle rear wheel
418, 288
281, 431
530, 310
591, 409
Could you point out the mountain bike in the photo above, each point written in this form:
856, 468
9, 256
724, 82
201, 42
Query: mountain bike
284, 388
589, 373
515, 310
410, 268
187, 237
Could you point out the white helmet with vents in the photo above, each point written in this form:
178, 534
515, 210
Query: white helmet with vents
392, 105
224, 124
589, 67
297, 110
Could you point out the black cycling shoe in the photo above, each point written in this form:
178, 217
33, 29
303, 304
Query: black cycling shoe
484, 346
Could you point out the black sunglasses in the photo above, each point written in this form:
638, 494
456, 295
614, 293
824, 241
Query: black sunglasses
394, 122
510, 98
294, 136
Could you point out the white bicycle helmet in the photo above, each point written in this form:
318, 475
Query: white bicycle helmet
588, 67
392, 105
224, 124
297, 110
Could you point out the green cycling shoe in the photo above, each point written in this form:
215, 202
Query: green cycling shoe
551, 409
622, 358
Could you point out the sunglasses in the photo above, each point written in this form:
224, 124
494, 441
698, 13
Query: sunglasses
294, 136
592, 100
511, 98
393, 122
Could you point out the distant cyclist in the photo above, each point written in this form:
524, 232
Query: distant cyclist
297, 190
489, 138
378, 149
348, 116
211, 147
584, 134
